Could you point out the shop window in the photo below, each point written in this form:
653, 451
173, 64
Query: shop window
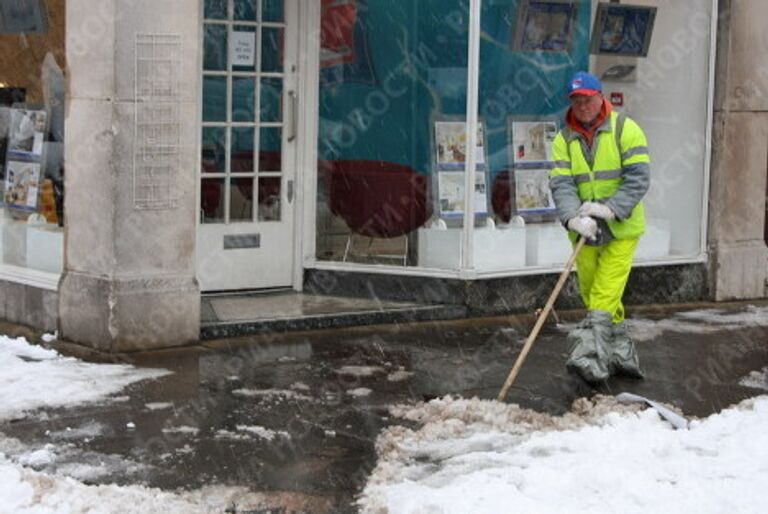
523, 101
32, 88
378, 105
392, 131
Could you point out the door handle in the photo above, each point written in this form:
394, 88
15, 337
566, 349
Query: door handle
293, 101
289, 191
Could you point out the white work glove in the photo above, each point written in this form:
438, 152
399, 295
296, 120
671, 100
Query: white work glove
583, 225
596, 210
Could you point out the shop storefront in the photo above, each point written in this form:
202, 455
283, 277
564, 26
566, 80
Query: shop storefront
413, 96
392, 139
326, 146
32, 89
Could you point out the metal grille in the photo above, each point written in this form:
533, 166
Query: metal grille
157, 148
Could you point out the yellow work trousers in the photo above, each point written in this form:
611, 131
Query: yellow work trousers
603, 272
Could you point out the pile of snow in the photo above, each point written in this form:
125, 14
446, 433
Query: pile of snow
34, 378
756, 379
25, 491
488, 457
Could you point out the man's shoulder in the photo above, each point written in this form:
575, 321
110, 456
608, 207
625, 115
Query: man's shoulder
630, 123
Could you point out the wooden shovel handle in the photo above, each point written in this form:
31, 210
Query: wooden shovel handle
540, 321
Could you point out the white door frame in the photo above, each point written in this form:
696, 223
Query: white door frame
306, 160
291, 156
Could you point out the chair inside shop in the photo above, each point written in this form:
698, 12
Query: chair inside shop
501, 196
377, 200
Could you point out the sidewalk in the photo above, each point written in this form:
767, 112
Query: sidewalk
317, 399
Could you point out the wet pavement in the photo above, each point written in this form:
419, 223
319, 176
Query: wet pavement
296, 415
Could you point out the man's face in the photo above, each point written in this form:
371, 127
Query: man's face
586, 108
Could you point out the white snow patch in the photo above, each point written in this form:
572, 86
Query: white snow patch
359, 371
359, 392
756, 379
66, 460
702, 321
87, 431
67, 381
399, 375
226, 434
181, 430
483, 457
263, 432
158, 405
299, 386
39, 458
752, 315
47, 338
271, 394
24, 491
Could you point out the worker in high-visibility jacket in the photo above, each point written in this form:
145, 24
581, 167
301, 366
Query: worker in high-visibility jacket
601, 172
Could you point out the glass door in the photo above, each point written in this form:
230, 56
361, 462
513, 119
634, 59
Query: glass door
248, 139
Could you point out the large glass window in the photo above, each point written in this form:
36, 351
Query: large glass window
529, 50
391, 74
392, 144
32, 89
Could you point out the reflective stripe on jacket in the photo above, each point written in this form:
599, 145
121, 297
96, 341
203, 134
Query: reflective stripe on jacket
618, 176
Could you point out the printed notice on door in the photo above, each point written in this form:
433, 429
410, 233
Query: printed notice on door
243, 49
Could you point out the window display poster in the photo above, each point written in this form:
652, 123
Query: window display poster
26, 133
532, 193
623, 30
532, 140
451, 194
22, 182
545, 25
451, 142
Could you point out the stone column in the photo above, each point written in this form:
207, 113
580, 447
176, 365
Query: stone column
129, 274
739, 257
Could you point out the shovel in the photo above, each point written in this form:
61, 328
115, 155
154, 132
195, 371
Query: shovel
540, 321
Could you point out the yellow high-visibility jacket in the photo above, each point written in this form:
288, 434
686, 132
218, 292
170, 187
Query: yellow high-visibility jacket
614, 171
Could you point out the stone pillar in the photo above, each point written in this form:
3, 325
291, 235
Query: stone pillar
129, 274
739, 257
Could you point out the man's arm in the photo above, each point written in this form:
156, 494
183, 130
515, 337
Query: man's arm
636, 171
564, 189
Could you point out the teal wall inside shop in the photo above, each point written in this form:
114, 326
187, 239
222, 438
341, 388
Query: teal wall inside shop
412, 71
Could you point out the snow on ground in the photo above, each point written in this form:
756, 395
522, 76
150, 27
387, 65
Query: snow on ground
33, 378
263, 432
756, 379
68, 381
487, 457
271, 394
359, 392
158, 405
359, 371
25, 491
184, 430
701, 321
399, 375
